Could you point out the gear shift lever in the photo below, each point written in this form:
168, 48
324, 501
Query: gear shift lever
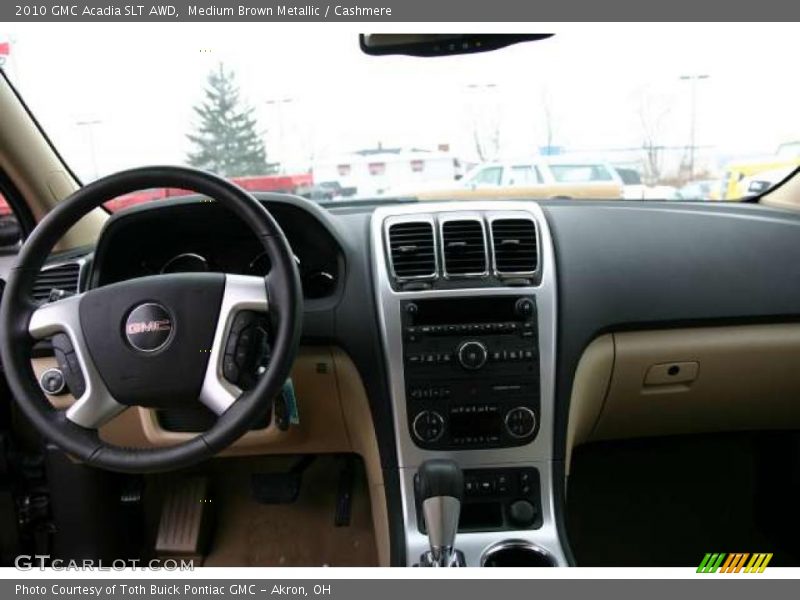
440, 488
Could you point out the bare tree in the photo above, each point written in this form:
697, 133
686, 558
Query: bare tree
487, 140
549, 118
653, 112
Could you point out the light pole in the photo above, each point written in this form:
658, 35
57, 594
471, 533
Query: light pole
89, 124
692, 79
278, 104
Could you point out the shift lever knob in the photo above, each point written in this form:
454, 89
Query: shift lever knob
440, 477
440, 488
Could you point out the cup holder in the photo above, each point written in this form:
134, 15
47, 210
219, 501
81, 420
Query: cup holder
516, 554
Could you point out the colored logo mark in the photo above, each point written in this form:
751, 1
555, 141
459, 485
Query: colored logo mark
734, 563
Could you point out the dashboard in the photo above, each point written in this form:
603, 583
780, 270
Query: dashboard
427, 300
201, 236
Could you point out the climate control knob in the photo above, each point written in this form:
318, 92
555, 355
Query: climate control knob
472, 354
520, 422
428, 426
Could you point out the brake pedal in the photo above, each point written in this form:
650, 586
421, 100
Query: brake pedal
280, 488
186, 519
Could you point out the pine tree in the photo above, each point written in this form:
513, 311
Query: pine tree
226, 140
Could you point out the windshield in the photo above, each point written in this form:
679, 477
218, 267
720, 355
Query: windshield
627, 112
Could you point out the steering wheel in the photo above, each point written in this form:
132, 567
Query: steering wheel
157, 341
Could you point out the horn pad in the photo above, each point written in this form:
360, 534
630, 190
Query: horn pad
150, 338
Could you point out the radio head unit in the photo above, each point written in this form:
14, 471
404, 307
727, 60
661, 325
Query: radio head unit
471, 371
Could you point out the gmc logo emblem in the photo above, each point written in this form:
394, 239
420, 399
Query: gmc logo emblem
147, 326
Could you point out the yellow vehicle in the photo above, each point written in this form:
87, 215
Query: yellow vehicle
731, 187
543, 178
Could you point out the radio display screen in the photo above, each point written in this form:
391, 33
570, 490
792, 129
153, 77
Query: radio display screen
459, 311
464, 425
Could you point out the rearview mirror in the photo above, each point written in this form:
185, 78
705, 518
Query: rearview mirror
441, 44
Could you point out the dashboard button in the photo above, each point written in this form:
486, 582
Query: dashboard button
472, 354
524, 307
520, 422
522, 513
52, 382
428, 426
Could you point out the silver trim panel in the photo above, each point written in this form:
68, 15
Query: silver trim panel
96, 406
242, 292
539, 452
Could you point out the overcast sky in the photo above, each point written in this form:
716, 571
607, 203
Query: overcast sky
602, 83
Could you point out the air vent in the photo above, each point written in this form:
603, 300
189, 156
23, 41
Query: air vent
515, 246
412, 252
63, 277
464, 248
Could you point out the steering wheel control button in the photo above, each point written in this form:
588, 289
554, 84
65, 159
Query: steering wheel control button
247, 350
520, 422
149, 327
472, 354
229, 368
53, 382
428, 426
68, 364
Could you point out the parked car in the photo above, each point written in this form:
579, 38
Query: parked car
731, 187
541, 178
697, 190
633, 187
761, 182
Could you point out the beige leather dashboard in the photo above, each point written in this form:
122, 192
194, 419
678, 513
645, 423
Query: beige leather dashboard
680, 381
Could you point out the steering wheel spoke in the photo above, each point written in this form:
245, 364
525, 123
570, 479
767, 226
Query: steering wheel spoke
94, 404
56, 317
242, 293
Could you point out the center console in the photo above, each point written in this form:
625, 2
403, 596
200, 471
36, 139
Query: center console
466, 296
